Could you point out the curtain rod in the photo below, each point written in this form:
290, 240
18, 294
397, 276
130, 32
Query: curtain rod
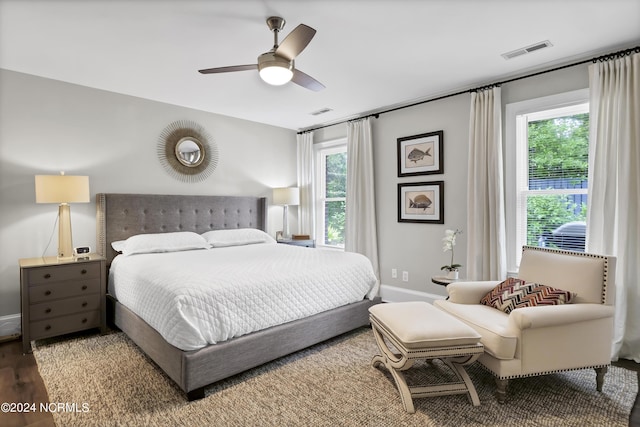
602, 58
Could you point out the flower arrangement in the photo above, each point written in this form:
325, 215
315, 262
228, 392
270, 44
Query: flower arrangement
448, 244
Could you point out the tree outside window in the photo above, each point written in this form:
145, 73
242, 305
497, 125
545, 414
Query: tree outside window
331, 188
555, 193
335, 198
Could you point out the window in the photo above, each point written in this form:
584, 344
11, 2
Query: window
548, 146
331, 188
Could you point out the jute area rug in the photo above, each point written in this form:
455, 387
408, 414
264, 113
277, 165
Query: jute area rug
332, 384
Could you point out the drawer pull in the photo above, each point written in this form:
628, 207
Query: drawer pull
84, 271
46, 328
47, 293
84, 320
84, 304
84, 287
47, 276
48, 310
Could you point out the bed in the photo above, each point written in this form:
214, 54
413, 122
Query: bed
121, 216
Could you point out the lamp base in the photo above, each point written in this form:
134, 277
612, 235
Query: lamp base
285, 223
65, 246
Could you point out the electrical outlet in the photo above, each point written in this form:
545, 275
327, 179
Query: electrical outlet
405, 276
394, 273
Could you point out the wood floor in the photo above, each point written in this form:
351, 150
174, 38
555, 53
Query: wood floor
20, 382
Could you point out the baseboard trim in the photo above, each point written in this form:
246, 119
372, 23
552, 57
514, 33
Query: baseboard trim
10, 327
395, 294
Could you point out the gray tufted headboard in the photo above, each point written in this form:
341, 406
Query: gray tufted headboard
120, 216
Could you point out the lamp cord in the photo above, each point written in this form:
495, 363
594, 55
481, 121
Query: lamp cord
52, 233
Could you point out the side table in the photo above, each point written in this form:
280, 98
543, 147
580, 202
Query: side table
60, 297
443, 280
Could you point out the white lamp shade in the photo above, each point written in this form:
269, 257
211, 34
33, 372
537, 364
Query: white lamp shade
286, 196
62, 189
276, 75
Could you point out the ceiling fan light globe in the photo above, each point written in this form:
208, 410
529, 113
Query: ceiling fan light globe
275, 70
276, 75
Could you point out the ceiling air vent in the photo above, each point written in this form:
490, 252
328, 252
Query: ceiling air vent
527, 49
321, 111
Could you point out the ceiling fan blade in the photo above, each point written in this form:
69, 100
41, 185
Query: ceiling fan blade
295, 42
306, 81
229, 69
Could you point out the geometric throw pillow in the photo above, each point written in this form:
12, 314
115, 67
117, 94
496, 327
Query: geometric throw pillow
516, 293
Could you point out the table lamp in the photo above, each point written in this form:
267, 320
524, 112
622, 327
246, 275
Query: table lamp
286, 196
63, 189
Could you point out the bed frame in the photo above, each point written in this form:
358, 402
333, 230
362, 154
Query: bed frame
122, 215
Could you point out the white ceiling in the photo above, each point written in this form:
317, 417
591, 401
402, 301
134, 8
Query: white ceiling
369, 54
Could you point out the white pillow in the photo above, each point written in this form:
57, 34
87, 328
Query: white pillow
119, 245
161, 242
237, 237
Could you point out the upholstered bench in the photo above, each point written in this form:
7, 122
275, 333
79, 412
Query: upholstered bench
418, 330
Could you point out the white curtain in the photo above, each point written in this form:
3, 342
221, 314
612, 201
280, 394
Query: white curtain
360, 224
486, 252
613, 217
306, 209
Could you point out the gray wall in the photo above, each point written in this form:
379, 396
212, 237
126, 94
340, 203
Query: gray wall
417, 248
47, 126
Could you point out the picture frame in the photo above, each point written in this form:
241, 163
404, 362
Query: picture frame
421, 202
421, 154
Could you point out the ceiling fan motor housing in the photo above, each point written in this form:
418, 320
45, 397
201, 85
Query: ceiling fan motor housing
270, 59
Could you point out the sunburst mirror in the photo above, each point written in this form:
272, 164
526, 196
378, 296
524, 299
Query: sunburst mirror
186, 151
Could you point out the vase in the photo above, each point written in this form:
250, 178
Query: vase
453, 275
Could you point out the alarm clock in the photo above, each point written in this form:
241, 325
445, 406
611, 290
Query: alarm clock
81, 251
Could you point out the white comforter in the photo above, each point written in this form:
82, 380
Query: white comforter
200, 297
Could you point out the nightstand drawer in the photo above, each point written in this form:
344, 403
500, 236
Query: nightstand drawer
64, 324
64, 307
59, 273
63, 290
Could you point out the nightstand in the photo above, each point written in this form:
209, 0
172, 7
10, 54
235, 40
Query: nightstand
307, 243
60, 297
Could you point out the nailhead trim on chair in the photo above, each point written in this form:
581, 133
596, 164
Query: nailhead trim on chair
583, 254
541, 373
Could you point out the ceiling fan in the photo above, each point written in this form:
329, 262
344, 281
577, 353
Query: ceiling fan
276, 66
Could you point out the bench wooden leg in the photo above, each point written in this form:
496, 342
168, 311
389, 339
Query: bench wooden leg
389, 358
403, 388
457, 366
396, 363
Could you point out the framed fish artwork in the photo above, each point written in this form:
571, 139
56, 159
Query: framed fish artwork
421, 202
421, 154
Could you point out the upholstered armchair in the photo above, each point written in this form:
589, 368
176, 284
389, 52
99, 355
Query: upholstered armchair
543, 339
